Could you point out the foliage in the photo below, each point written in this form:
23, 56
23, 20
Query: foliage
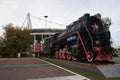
106, 22
26, 55
15, 40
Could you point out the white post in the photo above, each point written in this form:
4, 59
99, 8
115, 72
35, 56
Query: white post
34, 40
45, 24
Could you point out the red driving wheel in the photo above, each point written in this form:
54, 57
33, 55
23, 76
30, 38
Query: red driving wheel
60, 55
74, 57
69, 56
64, 56
90, 57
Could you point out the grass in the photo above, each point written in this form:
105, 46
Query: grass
87, 74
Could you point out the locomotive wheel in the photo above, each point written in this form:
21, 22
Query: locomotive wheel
69, 56
56, 55
60, 55
74, 57
64, 56
90, 57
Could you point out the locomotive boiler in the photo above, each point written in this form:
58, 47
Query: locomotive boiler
85, 38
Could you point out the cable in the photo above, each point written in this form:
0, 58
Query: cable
49, 21
24, 22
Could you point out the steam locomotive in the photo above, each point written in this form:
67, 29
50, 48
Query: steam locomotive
85, 38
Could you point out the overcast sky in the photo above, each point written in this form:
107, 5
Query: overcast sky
59, 11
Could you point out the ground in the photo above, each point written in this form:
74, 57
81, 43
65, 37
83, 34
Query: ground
32, 69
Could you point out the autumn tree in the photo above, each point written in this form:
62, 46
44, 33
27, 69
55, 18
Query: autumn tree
106, 22
15, 40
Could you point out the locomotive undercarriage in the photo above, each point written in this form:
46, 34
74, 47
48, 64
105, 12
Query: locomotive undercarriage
65, 55
96, 55
74, 49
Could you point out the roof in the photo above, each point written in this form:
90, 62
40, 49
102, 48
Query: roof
42, 30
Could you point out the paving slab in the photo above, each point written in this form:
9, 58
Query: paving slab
34, 69
62, 78
110, 71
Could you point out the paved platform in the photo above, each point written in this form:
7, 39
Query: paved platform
116, 60
34, 69
61, 78
110, 71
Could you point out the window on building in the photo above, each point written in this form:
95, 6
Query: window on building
39, 37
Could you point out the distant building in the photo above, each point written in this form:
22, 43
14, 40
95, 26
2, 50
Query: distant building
40, 34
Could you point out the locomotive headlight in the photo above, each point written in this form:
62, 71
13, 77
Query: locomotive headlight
97, 42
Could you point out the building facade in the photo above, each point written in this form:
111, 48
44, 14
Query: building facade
40, 34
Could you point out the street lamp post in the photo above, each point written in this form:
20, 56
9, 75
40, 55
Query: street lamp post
45, 24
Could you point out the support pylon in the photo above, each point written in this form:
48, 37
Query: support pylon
29, 24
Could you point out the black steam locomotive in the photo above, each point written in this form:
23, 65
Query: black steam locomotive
85, 39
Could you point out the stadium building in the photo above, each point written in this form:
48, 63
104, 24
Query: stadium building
40, 34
